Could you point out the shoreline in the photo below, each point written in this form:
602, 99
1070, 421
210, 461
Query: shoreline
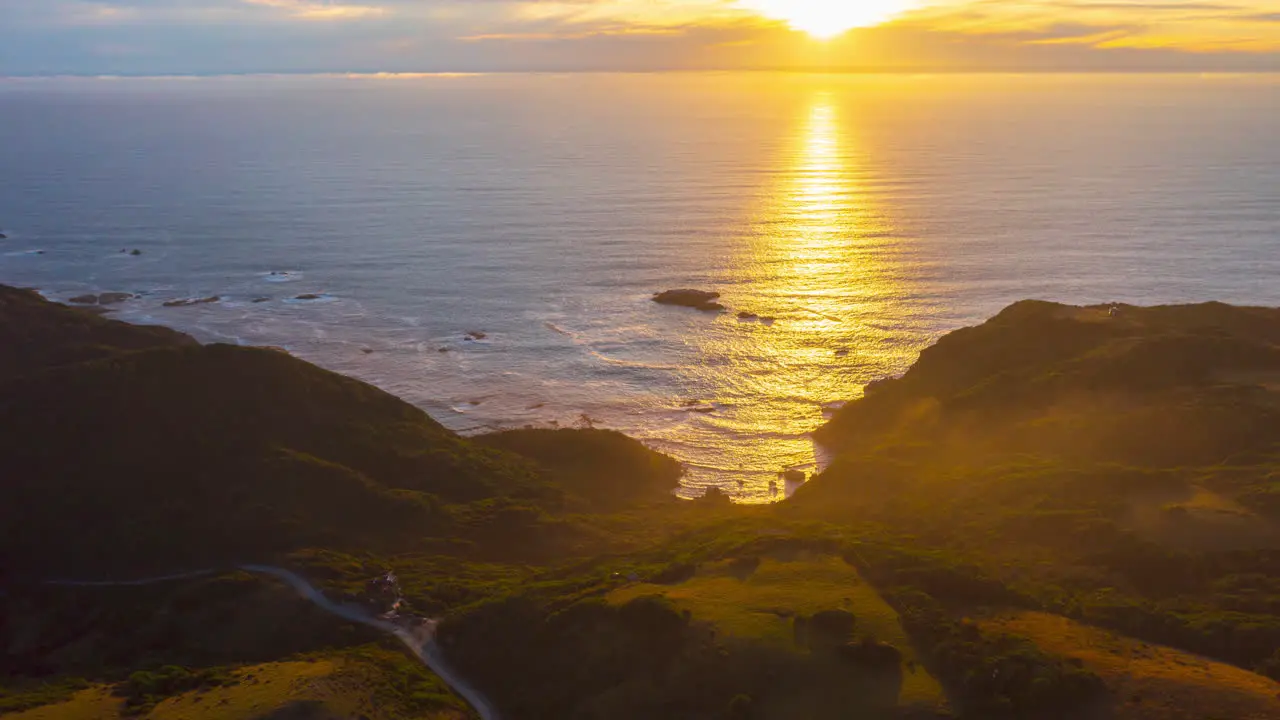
746, 485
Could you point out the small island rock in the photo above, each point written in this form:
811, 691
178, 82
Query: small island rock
704, 300
192, 301
308, 296
111, 298
107, 298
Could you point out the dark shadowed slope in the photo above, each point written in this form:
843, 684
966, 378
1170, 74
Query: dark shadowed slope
36, 334
183, 455
606, 469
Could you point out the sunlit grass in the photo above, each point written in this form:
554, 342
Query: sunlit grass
1150, 680
761, 607
348, 684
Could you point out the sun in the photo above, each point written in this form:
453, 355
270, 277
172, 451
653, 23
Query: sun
828, 18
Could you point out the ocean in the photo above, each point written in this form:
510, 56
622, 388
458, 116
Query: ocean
486, 246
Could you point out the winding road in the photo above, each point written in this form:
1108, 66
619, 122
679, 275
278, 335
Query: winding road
421, 642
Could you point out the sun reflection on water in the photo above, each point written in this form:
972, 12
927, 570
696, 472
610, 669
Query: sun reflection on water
826, 264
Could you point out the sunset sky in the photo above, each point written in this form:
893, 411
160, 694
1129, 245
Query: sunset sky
235, 36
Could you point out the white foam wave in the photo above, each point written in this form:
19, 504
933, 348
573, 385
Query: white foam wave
630, 363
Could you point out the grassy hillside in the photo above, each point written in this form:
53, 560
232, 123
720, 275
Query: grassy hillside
36, 335
368, 682
239, 452
131, 452
1163, 386
1061, 514
605, 469
760, 599
1120, 469
172, 455
1146, 680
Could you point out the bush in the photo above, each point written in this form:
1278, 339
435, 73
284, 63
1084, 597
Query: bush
830, 629
674, 574
871, 654
739, 707
146, 688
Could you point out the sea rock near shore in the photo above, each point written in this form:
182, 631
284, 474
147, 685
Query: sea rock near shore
107, 298
187, 302
876, 386
704, 300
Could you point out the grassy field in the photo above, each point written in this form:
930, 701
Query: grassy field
1150, 682
352, 684
761, 606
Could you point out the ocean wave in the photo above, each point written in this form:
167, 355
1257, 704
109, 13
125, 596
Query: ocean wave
631, 363
822, 315
557, 329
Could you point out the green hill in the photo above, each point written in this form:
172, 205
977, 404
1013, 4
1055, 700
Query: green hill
1029, 481
1120, 468
604, 469
1165, 386
138, 449
36, 334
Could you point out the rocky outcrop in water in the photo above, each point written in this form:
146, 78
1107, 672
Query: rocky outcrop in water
188, 302
704, 300
107, 298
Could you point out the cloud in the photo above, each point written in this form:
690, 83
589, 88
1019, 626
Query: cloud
310, 10
213, 36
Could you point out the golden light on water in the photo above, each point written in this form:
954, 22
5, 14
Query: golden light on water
819, 258
829, 18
